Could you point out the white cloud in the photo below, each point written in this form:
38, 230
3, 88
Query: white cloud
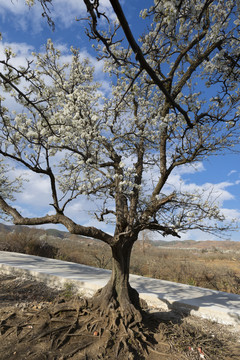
36, 191
62, 12
82, 211
24, 18
35, 198
215, 191
68, 12
231, 172
15, 6
231, 214
191, 168
24, 211
22, 52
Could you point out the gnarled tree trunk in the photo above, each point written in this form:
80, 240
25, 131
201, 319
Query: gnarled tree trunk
118, 293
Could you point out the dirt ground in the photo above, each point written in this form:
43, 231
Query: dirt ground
39, 323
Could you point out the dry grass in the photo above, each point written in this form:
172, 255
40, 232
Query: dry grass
205, 267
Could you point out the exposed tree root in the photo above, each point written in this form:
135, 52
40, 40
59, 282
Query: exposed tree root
80, 327
79, 330
84, 330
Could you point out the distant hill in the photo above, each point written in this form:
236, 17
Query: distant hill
5, 228
198, 245
20, 228
175, 244
57, 233
53, 233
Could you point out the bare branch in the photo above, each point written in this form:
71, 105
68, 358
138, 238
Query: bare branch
72, 227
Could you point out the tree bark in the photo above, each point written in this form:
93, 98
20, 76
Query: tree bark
118, 292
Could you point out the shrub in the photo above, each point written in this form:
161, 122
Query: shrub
40, 248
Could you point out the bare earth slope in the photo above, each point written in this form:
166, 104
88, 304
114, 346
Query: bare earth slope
40, 323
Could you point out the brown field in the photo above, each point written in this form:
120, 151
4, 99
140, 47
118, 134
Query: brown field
209, 264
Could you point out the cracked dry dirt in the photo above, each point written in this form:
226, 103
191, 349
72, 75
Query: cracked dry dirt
38, 323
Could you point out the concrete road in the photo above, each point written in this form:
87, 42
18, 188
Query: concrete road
213, 305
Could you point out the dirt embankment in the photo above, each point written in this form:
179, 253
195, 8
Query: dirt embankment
38, 323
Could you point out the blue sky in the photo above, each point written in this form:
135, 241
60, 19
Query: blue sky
27, 31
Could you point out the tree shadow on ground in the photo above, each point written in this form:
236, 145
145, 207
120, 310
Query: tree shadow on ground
181, 300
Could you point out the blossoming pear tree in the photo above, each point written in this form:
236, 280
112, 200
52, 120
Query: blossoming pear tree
174, 102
